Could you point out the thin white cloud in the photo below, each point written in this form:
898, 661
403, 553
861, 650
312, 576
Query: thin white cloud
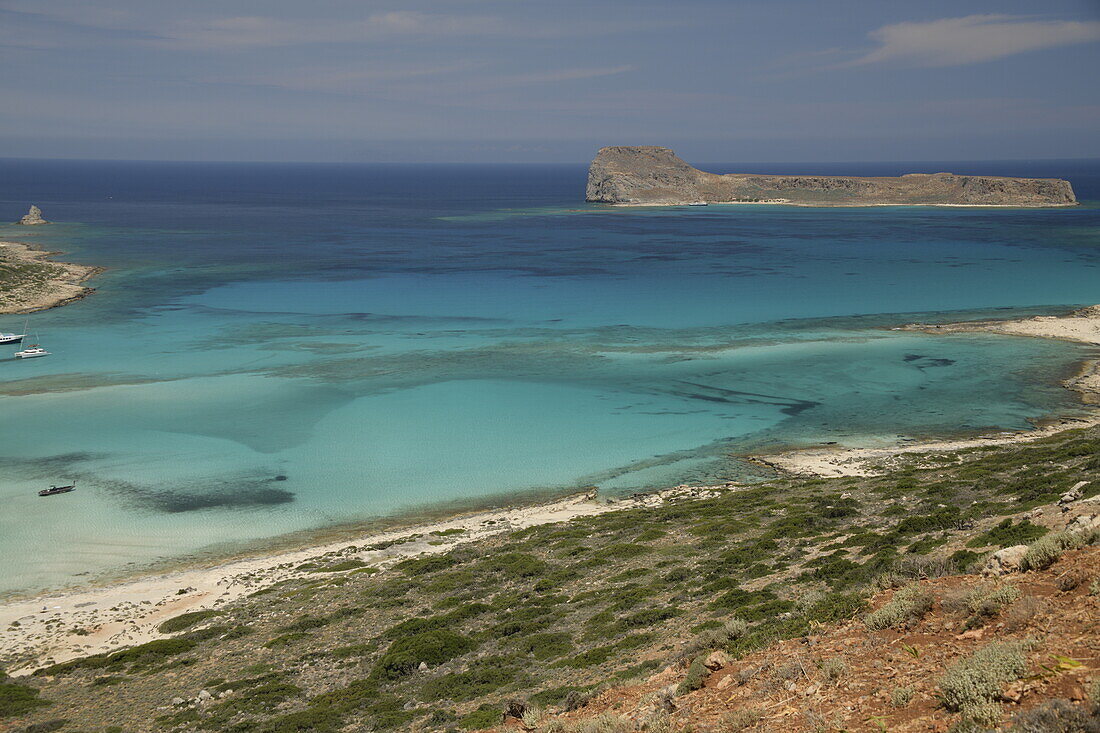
413, 83
972, 39
245, 32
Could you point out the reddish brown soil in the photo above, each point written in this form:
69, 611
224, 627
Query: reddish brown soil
786, 685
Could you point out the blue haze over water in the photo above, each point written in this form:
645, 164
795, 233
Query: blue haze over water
284, 348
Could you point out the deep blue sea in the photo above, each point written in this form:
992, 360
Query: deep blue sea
281, 348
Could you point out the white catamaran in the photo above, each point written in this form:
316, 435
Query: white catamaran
31, 351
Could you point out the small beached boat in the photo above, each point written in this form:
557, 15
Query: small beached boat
57, 490
31, 352
698, 203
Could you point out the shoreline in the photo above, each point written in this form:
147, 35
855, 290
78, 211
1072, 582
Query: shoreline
655, 204
1081, 326
55, 626
47, 284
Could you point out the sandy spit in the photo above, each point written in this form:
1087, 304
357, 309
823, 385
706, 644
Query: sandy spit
1082, 326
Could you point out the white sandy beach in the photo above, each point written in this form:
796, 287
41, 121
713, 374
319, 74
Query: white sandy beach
76, 623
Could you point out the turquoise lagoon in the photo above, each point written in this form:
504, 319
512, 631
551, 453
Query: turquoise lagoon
285, 349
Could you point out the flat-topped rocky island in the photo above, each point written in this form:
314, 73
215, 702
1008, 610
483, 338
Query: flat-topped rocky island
648, 175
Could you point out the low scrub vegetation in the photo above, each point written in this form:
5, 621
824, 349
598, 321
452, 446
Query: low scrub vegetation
908, 605
552, 613
972, 686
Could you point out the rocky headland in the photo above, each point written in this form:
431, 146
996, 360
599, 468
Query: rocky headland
33, 217
654, 176
30, 281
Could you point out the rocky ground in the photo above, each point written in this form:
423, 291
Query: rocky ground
30, 281
893, 671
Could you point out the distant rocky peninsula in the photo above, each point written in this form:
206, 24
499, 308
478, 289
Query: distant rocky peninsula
648, 175
31, 281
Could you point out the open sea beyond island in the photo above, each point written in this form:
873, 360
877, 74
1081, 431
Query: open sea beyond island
280, 349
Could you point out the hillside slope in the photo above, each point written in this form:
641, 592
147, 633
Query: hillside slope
551, 614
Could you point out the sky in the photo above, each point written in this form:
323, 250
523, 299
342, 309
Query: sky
509, 81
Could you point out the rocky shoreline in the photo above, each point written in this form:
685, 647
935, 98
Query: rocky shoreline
31, 281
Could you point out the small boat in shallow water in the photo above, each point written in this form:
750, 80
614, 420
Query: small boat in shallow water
31, 352
57, 490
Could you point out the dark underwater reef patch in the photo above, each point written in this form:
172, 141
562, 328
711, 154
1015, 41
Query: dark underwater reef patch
226, 494
926, 362
59, 466
172, 502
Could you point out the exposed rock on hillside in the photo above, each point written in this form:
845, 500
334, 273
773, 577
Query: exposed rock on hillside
652, 175
32, 217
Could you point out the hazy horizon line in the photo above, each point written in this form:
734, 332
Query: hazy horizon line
4, 158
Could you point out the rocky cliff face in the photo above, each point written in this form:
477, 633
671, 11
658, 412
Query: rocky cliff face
654, 175
32, 217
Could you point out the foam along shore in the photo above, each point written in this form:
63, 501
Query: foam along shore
1081, 326
31, 281
57, 627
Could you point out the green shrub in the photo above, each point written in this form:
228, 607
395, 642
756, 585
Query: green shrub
143, 655
1056, 716
833, 669
547, 646
1044, 553
695, 678
908, 606
1007, 534
424, 565
972, 685
286, 639
18, 699
483, 677
514, 565
741, 719
486, 716
435, 646
986, 601
185, 621
900, 697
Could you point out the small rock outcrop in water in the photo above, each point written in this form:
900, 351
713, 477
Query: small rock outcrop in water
33, 217
647, 174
